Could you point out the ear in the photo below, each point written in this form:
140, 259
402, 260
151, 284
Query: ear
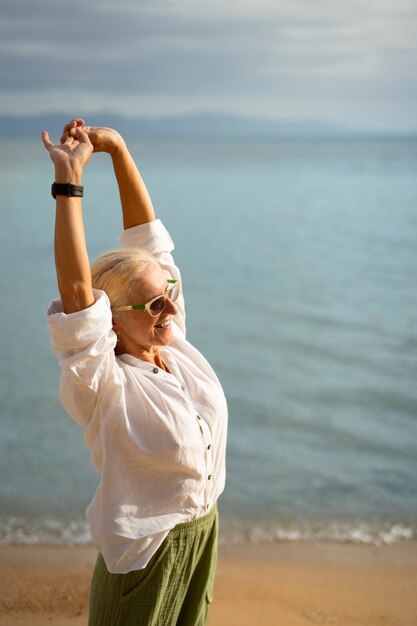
116, 326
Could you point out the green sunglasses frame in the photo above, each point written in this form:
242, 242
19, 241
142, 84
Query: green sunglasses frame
147, 305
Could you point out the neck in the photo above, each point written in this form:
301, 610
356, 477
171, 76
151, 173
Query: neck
150, 356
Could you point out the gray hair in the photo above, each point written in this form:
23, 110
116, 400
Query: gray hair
115, 272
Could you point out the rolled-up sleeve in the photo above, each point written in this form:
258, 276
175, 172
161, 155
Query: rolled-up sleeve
83, 343
154, 237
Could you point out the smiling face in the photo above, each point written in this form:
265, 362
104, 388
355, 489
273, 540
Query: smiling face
139, 333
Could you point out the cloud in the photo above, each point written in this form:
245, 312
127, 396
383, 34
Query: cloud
259, 56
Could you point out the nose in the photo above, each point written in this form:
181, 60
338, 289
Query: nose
170, 307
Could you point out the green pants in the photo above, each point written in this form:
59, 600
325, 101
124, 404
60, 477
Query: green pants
174, 589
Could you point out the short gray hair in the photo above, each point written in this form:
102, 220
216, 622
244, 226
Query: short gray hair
115, 272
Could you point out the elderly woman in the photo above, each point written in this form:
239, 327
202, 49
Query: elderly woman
153, 411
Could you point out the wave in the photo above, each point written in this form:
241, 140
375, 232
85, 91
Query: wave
18, 531
335, 532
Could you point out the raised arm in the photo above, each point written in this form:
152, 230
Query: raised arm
71, 257
136, 203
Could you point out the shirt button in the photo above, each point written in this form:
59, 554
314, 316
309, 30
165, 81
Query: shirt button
209, 446
209, 476
198, 417
155, 370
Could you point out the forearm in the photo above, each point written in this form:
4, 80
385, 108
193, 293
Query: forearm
136, 203
71, 257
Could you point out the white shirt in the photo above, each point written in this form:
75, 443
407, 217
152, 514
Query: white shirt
158, 440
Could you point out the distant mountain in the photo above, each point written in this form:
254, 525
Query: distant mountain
198, 125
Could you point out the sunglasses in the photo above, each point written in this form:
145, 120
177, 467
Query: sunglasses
157, 304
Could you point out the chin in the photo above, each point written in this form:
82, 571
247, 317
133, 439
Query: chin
164, 340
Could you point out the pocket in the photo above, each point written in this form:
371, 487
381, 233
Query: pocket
135, 581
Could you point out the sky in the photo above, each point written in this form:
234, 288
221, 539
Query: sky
349, 62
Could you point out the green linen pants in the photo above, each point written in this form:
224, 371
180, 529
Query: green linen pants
174, 589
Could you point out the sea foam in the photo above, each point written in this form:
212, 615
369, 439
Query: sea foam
17, 531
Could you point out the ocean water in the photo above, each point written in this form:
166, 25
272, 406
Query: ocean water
299, 260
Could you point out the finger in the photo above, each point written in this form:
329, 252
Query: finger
46, 141
68, 127
77, 121
72, 124
71, 131
84, 129
69, 140
82, 136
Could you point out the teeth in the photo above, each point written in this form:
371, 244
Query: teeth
164, 324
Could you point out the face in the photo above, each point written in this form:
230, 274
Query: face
139, 333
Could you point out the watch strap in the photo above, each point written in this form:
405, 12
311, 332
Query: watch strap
67, 189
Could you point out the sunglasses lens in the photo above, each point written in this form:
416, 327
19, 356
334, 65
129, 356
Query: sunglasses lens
173, 292
157, 306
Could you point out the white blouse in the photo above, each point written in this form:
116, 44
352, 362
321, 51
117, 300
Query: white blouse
158, 440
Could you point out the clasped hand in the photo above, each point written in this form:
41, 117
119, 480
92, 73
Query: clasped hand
78, 142
102, 139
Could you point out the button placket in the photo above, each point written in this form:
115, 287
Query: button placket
176, 374
209, 480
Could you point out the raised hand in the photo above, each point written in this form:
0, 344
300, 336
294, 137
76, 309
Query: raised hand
73, 153
102, 139
136, 204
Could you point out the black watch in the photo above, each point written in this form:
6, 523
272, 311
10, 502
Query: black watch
67, 189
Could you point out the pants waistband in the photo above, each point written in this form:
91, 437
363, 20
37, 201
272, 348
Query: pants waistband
205, 521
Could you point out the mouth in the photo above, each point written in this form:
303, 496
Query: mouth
165, 324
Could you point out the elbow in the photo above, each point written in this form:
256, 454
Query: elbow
76, 297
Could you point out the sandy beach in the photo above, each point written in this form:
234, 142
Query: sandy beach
288, 584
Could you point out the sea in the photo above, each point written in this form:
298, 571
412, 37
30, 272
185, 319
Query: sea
299, 263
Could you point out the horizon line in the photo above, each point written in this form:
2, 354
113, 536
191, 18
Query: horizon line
295, 125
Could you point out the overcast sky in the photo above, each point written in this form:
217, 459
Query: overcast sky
345, 61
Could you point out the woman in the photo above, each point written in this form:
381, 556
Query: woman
153, 411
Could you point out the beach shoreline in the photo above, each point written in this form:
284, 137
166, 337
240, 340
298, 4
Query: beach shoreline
288, 584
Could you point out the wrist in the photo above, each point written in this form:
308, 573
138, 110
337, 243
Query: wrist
68, 174
68, 190
118, 147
